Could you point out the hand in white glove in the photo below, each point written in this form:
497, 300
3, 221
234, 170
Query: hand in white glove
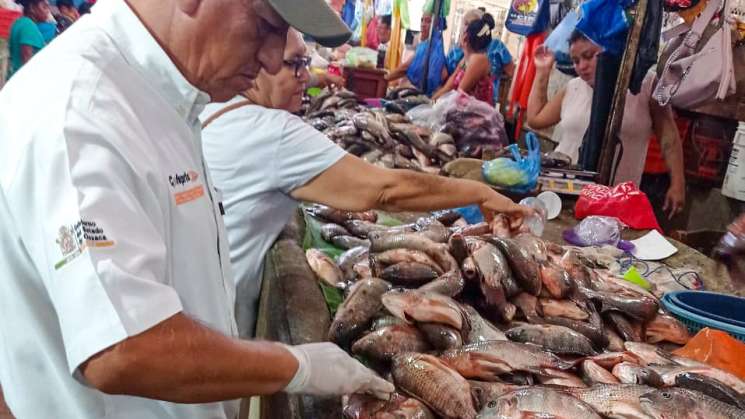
326, 370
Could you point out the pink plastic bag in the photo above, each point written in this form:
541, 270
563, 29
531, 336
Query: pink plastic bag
625, 202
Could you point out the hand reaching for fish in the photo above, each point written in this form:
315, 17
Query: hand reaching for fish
324, 369
494, 203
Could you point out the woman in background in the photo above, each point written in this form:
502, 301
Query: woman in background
473, 73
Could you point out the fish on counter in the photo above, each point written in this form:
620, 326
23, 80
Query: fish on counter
556, 339
592, 373
537, 402
614, 401
359, 406
325, 268
356, 313
680, 403
386, 342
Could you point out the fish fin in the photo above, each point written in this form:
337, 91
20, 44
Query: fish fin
488, 367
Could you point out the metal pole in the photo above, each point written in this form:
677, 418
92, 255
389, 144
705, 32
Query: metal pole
608, 151
435, 21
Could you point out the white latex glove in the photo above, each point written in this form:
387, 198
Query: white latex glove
326, 370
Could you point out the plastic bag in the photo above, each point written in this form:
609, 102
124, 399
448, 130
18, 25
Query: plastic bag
604, 23
423, 116
595, 231
518, 174
718, 349
361, 57
625, 202
528, 17
473, 124
558, 43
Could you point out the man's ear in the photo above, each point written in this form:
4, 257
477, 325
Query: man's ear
189, 7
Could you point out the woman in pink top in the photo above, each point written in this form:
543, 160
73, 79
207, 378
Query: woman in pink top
473, 74
570, 111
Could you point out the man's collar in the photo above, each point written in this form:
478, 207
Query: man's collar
142, 51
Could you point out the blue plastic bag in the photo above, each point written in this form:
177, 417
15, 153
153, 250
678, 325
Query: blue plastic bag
437, 62
604, 23
528, 17
518, 174
558, 43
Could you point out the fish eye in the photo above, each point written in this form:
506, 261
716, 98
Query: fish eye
492, 404
666, 395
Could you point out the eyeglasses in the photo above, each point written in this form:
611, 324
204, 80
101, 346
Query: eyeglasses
298, 63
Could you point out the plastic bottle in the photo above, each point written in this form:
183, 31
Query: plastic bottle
734, 179
537, 222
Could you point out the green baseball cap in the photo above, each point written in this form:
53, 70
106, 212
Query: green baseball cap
315, 18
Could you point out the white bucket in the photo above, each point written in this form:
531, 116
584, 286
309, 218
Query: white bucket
734, 179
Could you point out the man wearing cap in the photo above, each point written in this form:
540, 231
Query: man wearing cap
116, 291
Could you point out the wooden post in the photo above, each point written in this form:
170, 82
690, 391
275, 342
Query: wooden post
608, 151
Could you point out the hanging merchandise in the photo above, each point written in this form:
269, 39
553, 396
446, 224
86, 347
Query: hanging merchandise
699, 66
383, 7
371, 34
649, 44
347, 12
523, 80
393, 54
528, 17
429, 8
437, 60
558, 43
604, 23
403, 11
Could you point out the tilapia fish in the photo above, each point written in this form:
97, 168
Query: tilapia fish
361, 406
592, 373
339, 216
637, 306
383, 344
348, 259
485, 392
450, 283
614, 401
562, 308
493, 268
680, 403
414, 305
669, 374
440, 336
523, 266
534, 245
664, 327
349, 242
458, 247
711, 388
556, 339
487, 360
629, 373
537, 402
623, 326
381, 241
597, 336
608, 360
324, 268
394, 256
409, 274
357, 311
428, 379
331, 230
481, 330
361, 228
649, 354
556, 280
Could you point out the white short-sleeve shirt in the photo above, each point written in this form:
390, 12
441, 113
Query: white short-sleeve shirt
109, 223
257, 157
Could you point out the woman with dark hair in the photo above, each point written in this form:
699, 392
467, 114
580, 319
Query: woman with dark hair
473, 74
25, 37
569, 110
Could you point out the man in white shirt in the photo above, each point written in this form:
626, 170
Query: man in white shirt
116, 291
264, 160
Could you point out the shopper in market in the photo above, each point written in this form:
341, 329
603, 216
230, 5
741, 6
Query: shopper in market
570, 111
421, 50
26, 38
67, 15
473, 74
500, 58
116, 291
265, 160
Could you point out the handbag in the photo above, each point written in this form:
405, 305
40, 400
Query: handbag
695, 74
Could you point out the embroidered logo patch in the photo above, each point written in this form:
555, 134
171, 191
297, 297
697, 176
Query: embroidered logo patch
186, 180
75, 238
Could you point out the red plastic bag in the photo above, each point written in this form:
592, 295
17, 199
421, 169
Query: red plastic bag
625, 202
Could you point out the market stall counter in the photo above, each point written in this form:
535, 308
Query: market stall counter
293, 308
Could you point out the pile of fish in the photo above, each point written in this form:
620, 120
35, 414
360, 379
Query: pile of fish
387, 139
479, 321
